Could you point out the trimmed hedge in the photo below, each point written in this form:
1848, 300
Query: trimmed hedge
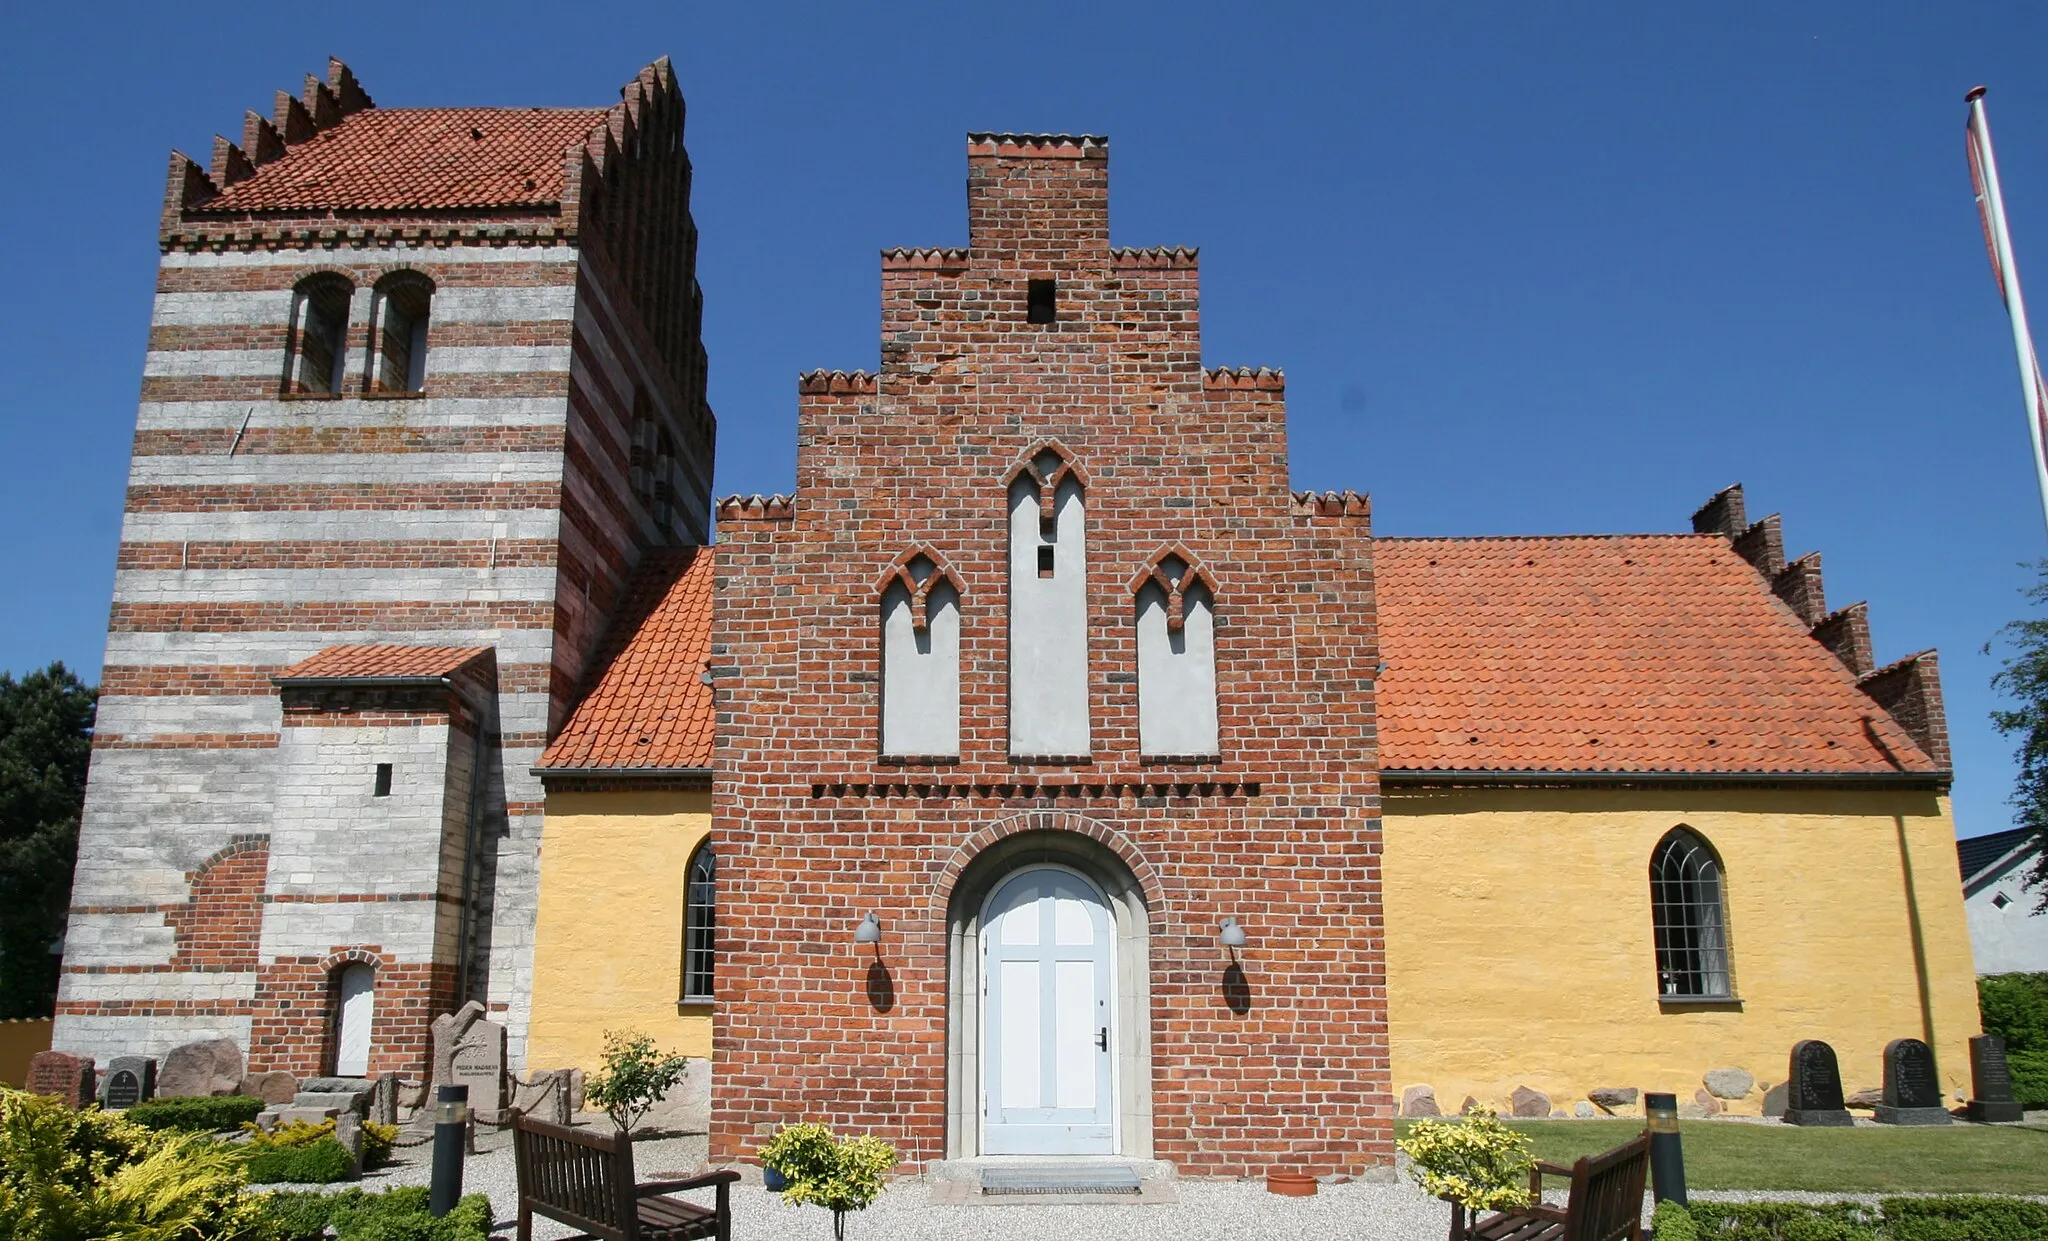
320, 1163
397, 1215
1950, 1218
197, 1115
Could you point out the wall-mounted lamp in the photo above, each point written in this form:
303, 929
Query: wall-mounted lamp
1232, 935
869, 930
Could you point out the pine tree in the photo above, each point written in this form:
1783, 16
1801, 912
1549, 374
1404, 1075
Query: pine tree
46, 721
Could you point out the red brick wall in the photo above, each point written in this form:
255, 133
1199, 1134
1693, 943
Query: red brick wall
818, 832
293, 1026
221, 926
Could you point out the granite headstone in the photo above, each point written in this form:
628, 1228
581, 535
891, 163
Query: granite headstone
469, 1050
1813, 1087
130, 1080
70, 1078
1912, 1092
1991, 1096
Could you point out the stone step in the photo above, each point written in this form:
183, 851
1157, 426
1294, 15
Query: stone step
1061, 1178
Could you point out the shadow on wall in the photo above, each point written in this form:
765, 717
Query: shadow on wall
20, 1039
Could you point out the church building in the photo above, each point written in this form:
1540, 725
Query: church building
1044, 776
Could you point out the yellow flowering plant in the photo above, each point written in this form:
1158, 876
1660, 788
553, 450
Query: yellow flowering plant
1477, 1162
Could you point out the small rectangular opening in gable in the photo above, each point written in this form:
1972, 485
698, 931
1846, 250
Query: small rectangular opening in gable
1041, 301
383, 785
1045, 560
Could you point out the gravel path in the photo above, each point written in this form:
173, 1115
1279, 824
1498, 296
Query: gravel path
1206, 1209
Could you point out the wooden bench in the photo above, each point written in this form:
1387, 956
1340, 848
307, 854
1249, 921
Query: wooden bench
1606, 1202
585, 1180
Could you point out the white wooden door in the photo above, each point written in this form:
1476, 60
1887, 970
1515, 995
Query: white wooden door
1046, 1081
352, 1030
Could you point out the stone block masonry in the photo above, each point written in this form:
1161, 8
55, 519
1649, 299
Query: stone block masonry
230, 861
1231, 1063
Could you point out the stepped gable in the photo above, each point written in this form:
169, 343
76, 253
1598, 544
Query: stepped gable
1612, 654
649, 708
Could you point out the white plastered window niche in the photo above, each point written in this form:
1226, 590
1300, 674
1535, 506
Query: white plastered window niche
1048, 688
920, 661
1176, 618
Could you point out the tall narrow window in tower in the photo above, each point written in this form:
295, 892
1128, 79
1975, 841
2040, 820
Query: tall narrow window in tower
700, 908
1048, 608
319, 331
1176, 660
920, 661
640, 449
1688, 918
398, 332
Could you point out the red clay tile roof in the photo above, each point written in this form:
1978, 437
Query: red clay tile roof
350, 662
1623, 653
649, 708
384, 159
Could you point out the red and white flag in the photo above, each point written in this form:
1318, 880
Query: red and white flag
1998, 242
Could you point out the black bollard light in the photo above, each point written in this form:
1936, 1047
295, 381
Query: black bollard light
1667, 1157
451, 1125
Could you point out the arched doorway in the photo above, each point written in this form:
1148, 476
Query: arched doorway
1047, 1071
355, 999
1016, 875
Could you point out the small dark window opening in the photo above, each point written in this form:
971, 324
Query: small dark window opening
1041, 297
383, 786
1045, 561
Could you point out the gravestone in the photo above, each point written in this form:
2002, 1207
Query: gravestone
1991, 1096
469, 1050
384, 1099
130, 1080
60, 1073
1912, 1092
209, 1067
1813, 1087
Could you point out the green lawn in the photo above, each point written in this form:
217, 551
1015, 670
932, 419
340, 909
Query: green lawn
1974, 1159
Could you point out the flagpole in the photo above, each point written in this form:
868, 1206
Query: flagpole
1991, 202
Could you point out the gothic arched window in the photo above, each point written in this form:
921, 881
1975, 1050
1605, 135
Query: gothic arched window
1688, 915
700, 904
319, 334
1048, 607
1176, 659
920, 659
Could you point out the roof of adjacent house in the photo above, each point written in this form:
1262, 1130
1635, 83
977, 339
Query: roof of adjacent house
1977, 853
1611, 654
385, 159
384, 662
648, 708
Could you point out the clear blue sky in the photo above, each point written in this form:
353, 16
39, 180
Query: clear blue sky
1530, 268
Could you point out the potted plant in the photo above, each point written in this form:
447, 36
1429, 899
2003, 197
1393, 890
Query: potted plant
1476, 1164
839, 1175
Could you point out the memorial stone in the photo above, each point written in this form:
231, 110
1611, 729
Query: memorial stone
470, 1051
1991, 1096
1813, 1087
70, 1078
209, 1067
1912, 1092
130, 1080
384, 1099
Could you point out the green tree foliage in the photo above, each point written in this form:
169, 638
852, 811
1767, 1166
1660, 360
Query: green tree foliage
633, 1078
2024, 678
45, 740
2015, 1008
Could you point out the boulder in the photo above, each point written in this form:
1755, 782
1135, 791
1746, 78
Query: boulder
1729, 1083
1469, 1106
1871, 1097
1529, 1102
276, 1086
210, 1067
1612, 1099
1708, 1104
1419, 1101
1775, 1100
1582, 1109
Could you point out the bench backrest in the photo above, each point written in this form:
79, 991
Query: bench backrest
1607, 1193
581, 1179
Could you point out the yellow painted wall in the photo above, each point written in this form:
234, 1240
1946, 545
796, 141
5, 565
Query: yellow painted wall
608, 936
20, 1040
1519, 946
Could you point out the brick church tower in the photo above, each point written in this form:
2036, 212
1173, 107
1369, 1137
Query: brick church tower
423, 384
1046, 781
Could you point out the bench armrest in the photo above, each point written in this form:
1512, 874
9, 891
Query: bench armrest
727, 1177
1545, 1168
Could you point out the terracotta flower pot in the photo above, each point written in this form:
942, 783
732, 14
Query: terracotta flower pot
1292, 1184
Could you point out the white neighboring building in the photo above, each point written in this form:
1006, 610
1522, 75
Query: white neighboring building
2006, 935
